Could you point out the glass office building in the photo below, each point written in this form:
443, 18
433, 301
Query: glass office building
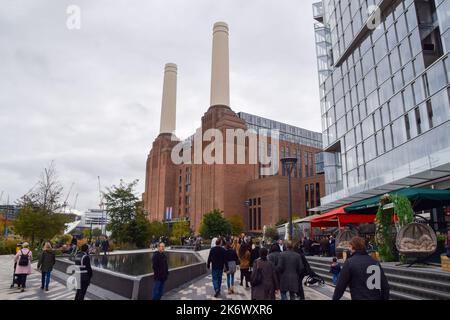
384, 77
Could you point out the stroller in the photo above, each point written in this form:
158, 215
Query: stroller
312, 278
15, 278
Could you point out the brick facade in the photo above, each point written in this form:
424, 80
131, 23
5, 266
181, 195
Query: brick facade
193, 190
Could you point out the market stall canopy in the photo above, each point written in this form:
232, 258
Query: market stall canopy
306, 219
421, 199
339, 217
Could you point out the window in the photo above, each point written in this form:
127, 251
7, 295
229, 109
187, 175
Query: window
317, 194
259, 219
418, 120
408, 127
311, 187
250, 222
307, 197
430, 114
255, 222
399, 132
387, 132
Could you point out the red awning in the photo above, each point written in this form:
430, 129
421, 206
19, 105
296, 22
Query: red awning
338, 217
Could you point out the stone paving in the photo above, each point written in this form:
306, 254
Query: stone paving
33, 291
198, 289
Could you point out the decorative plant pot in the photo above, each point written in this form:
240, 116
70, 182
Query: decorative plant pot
445, 263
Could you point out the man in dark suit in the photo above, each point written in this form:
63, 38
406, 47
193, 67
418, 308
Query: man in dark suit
290, 268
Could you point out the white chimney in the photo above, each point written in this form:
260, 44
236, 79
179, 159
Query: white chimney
169, 100
220, 73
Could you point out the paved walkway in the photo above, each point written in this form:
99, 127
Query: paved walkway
202, 289
33, 291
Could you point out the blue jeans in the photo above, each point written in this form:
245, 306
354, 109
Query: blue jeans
335, 278
158, 288
230, 280
217, 279
45, 279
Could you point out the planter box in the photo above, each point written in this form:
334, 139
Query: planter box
445, 263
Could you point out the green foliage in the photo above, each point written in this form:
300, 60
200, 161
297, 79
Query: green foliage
383, 235
281, 221
61, 240
272, 233
181, 229
36, 223
214, 224
403, 209
237, 225
138, 230
8, 246
158, 229
121, 205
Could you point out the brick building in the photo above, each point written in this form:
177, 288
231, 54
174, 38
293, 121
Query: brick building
191, 189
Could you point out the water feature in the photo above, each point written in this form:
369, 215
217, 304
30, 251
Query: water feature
137, 264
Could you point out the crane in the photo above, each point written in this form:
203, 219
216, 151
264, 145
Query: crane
67, 197
101, 202
75, 201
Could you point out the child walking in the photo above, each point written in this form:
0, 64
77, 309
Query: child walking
335, 269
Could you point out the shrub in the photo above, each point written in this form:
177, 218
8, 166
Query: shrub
8, 246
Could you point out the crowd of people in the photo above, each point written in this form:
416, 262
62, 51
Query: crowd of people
281, 267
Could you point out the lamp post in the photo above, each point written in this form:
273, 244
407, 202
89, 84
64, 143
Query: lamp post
289, 165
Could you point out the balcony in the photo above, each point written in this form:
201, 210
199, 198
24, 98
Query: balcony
318, 11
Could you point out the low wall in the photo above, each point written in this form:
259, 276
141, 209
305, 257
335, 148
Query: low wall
137, 287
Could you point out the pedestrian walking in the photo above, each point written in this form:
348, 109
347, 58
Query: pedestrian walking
15, 277
274, 254
307, 246
244, 257
356, 272
332, 246
324, 246
105, 246
254, 254
335, 269
160, 271
290, 269
23, 260
83, 261
298, 248
281, 245
231, 263
216, 260
45, 265
264, 278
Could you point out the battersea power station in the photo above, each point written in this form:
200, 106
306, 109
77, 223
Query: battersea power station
232, 162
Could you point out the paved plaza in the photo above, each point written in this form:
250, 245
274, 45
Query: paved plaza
198, 289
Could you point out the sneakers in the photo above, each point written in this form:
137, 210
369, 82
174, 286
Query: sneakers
46, 289
230, 291
217, 294
22, 290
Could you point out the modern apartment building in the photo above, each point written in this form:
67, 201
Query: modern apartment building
384, 77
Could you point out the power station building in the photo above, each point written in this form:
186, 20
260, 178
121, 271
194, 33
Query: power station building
258, 192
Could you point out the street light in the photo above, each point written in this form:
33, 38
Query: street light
289, 165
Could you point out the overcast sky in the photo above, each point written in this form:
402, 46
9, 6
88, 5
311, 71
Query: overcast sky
90, 99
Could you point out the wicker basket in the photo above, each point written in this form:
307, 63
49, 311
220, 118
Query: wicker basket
416, 240
445, 263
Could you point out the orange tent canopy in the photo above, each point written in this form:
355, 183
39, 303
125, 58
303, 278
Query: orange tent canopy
338, 217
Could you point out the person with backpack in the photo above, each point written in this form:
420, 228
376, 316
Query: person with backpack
231, 262
83, 260
244, 257
264, 278
46, 262
23, 259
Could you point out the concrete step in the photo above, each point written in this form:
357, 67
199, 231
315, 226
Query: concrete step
422, 283
424, 293
405, 283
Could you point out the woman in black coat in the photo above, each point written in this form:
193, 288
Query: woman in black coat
46, 262
231, 262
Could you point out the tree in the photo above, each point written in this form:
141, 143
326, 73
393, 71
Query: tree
214, 224
272, 233
237, 224
121, 206
158, 229
39, 216
181, 229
